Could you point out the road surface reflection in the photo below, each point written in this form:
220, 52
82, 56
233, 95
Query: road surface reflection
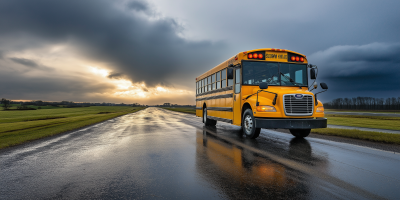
238, 171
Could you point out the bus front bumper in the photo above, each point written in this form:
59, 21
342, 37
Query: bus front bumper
291, 123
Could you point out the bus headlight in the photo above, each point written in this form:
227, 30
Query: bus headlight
266, 109
320, 109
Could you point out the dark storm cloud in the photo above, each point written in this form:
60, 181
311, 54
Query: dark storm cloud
30, 63
144, 50
115, 75
26, 62
371, 69
55, 88
138, 5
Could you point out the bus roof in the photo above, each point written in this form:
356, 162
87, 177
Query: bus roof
240, 56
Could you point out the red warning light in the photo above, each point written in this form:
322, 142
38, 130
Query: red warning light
255, 55
301, 59
250, 56
297, 58
260, 56
293, 58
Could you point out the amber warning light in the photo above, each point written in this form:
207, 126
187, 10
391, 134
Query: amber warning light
256, 55
295, 58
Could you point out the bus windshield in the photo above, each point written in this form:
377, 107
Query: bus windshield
282, 74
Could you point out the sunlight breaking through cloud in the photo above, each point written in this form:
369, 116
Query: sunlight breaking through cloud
97, 71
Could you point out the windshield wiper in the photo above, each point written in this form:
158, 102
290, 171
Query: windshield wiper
291, 80
287, 77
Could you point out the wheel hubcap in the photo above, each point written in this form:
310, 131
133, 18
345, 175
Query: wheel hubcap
248, 124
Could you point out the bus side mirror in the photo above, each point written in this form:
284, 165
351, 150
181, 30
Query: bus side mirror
263, 85
229, 73
324, 86
312, 74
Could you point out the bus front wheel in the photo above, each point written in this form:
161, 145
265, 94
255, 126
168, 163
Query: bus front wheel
300, 133
249, 125
208, 121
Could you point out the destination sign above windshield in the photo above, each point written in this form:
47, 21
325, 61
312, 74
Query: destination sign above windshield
276, 56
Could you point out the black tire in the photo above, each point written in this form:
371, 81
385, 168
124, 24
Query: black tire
208, 121
249, 125
300, 133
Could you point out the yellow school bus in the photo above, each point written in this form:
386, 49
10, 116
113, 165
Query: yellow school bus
261, 88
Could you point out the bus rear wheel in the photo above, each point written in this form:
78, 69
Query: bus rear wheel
208, 121
300, 133
249, 125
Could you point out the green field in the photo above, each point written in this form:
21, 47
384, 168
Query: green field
189, 110
391, 123
388, 138
364, 111
20, 126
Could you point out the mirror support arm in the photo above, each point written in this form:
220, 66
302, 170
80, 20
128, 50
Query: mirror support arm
316, 101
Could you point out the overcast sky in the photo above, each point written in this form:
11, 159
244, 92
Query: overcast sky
151, 51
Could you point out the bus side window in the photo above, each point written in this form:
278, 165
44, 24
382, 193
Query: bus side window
218, 80
230, 82
199, 90
223, 78
213, 81
237, 81
203, 88
209, 83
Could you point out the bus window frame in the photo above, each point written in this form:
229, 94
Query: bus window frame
218, 80
240, 80
225, 79
279, 71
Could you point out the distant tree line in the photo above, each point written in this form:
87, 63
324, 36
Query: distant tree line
5, 103
364, 103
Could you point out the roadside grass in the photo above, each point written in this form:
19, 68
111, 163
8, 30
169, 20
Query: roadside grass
45, 107
14, 107
364, 111
189, 110
358, 134
17, 127
380, 122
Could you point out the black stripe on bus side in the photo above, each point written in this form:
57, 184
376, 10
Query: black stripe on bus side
229, 109
216, 97
199, 108
216, 91
220, 119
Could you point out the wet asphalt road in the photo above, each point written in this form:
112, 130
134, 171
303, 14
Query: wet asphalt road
160, 154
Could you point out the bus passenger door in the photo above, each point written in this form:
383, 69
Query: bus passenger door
237, 115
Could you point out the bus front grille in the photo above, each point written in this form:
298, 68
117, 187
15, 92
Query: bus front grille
298, 106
